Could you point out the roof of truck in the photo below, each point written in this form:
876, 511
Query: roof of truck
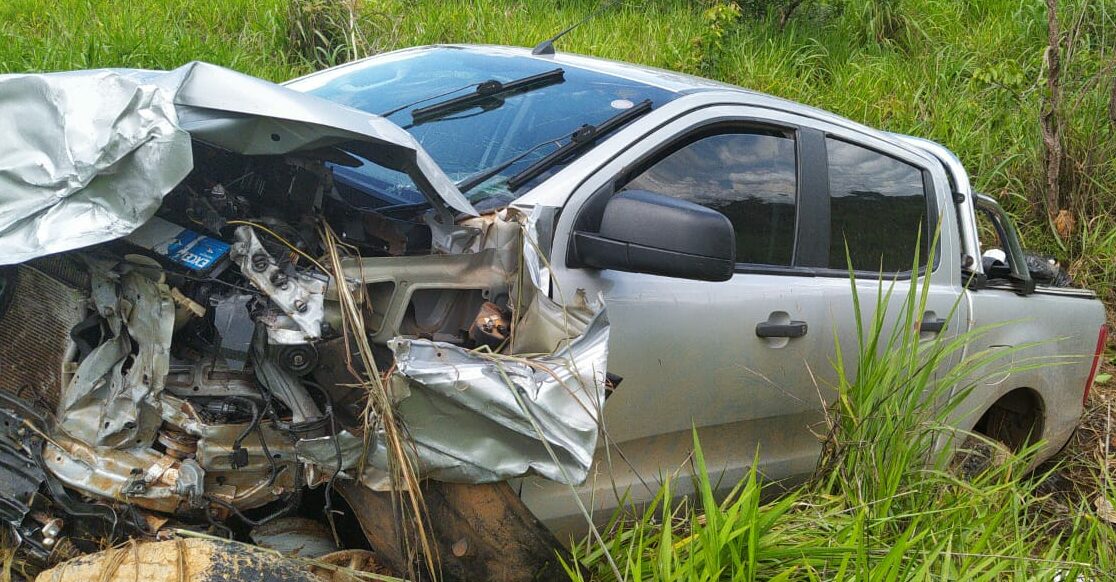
661, 78
670, 81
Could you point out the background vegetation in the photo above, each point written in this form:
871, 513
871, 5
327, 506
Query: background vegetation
974, 75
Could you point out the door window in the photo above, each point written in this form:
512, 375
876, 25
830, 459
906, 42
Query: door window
748, 177
877, 207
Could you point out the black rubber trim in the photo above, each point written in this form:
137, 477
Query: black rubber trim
932, 325
775, 330
812, 238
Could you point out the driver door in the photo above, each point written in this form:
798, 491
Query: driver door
698, 354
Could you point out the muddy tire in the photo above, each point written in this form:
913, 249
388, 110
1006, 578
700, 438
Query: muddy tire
977, 455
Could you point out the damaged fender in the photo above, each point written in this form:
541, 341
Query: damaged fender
477, 417
202, 370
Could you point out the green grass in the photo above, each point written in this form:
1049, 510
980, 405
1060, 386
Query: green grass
247, 35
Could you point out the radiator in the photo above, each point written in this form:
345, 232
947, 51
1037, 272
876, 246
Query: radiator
36, 316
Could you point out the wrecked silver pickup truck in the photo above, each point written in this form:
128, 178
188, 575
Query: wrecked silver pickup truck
225, 299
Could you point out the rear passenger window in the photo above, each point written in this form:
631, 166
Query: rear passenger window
748, 177
877, 207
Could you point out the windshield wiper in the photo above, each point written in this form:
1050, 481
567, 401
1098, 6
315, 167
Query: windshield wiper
391, 112
581, 139
488, 173
486, 91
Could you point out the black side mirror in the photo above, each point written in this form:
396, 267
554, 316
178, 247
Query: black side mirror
645, 232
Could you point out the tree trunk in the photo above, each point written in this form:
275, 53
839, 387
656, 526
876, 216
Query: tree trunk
1051, 118
787, 11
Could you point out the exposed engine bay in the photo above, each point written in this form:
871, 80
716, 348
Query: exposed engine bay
217, 368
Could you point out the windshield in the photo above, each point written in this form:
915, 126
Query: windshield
472, 140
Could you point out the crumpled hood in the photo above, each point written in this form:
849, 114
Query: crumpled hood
88, 155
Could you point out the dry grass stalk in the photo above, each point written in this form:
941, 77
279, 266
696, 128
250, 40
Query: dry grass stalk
401, 467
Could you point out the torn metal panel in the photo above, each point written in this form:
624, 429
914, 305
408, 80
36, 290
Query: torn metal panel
141, 476
545, 325
339, 453
103, 404
77, 170
230, 423
167, 482
452, 239
460, 406
259, 477
538, 222
478, 417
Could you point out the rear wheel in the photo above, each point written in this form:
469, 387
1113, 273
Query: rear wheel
1011, 424
1014, 420
977, 455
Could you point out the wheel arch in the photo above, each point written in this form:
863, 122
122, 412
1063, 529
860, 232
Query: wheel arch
1017, 418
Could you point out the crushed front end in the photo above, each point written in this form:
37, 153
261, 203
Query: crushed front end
203, 333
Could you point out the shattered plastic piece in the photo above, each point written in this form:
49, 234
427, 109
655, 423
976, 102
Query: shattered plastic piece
235, 328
